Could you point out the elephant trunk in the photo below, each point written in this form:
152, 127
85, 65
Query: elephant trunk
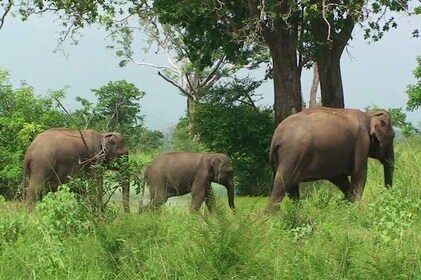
230, 190
389, 167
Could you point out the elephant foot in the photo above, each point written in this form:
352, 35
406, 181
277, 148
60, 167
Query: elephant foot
272, 207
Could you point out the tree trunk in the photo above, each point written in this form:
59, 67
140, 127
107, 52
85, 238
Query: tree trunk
314, 87
286, 75
281, 35
329, 68
331, 41
287, 90
191, 104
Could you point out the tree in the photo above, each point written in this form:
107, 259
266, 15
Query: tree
295, 32
414, 91
118, 109
118, 105
183, 70
22, 116
241, 130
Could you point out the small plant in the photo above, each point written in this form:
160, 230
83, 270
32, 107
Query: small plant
61, 214
302, 231
11, 228
392, 214
227, 246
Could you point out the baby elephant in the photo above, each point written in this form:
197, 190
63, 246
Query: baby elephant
178, 173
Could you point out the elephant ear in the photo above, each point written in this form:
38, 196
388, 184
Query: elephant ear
216, 165
107, 141
379, 125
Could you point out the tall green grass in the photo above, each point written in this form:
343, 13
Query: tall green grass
320, 237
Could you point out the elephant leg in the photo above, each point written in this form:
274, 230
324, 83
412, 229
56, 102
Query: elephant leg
278, 192
158, 196
342, 182
358, 178
294, 192
36, 189
198, 192
210, 200
30, 197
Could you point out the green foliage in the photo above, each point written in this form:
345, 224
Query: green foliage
399, 120
118, 106
11, 227
228, 246
22, 116
203, 36
118, 109
392, 214
243, 133
183, 139
414, 91
62, 215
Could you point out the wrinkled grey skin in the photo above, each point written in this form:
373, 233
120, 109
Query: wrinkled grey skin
331, 144
59, 152
179, 173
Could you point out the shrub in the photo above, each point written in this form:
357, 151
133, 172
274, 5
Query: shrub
244, 133
61, 214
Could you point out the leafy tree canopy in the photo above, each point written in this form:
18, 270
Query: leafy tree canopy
118, 109
414, 91
228, 121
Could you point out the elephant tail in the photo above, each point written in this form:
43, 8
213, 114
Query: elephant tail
26, 175
143, 187
273, 156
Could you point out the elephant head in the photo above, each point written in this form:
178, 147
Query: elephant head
113, 145
221, 170
381, 142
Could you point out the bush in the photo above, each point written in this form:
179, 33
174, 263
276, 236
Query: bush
244, 133
183, 139
61, 214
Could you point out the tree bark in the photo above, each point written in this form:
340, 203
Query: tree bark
281, 35
331, 80
287, 84
314, 87
331, 43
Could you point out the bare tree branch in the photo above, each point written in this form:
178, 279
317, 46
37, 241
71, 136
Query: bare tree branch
76, 124
7, 9
175, 84
213, 71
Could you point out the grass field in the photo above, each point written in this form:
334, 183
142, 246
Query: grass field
321, 237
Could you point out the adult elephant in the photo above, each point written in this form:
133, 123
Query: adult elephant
57, 153
332, 144
179, 173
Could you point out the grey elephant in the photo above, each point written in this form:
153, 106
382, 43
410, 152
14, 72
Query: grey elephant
58, 153
179, 173
331, 144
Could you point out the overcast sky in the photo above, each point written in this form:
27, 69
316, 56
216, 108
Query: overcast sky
376, 73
